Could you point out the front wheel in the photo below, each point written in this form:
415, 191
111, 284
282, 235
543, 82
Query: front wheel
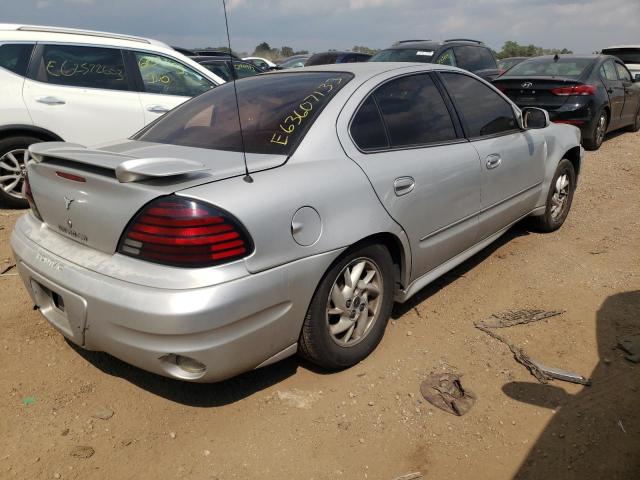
350, 309
14, 153
559, 198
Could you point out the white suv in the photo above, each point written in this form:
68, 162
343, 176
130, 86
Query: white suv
629, 54
86, 87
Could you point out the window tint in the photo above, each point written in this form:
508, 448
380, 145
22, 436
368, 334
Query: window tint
484, 111
221, 69
447, 58
414, 111
276, 112
367, 129
322, 59
474, 58
166, 76
15, 57
608, 70
90, 67
623, 73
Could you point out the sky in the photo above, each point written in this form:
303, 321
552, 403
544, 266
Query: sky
316, 25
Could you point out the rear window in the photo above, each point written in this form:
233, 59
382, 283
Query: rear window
548, 67
474, 58
15, 57
403, 55
322, 59
627, 55
276, 111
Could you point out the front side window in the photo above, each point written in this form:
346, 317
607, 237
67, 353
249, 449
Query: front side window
474, 58
623, 73
275, 110
447, 58
15, 57
166, 76
88, 67
484, 111
608, 70
414, 112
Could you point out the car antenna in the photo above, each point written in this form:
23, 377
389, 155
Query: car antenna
247, 176
556, 57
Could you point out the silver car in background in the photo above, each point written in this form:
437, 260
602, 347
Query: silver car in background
365, 182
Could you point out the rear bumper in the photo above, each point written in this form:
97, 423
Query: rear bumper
581, 114
230, 328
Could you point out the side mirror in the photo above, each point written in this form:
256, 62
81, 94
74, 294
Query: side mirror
535, 118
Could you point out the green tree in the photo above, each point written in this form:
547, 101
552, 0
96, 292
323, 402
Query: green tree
262, 49
361, 49
514, 49
286, 51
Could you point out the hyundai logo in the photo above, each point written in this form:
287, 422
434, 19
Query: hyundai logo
527, 85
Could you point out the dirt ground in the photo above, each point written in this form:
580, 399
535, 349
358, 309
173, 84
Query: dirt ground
370, 422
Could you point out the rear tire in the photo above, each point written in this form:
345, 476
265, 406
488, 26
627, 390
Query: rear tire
559, 198
350, 309
12, 170
598, 132
635, 126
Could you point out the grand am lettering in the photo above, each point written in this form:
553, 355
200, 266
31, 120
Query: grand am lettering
81, 237
48, 261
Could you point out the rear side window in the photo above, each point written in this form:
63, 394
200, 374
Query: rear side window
275, 110
15, 57
623, 73
166, 76
447, 58
89, 67
414, 112
474, 58
483, 110
367, 129
245, 69
608, 70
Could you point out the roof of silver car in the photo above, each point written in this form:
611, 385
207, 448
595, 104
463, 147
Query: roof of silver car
366, 69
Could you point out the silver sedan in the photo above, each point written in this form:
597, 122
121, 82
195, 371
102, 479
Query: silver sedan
199, 250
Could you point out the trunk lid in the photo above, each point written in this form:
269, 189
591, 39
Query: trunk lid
90, 195
535, 91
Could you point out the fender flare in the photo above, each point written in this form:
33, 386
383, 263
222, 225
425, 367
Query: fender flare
21, 129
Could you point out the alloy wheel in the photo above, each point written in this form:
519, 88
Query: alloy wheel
560, 195
354, 302
601, 128
12, 171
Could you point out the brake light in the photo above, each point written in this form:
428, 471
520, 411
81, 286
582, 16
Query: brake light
182, 232
28, 194
575, 90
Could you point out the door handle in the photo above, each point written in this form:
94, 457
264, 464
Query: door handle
493, 161
50, 100
403, 185
158, 109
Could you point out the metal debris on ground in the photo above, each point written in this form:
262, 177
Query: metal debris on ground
444, 390
510, 318
631, 345
410, 476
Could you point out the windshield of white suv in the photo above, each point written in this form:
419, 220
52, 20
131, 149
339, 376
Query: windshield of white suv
276, 112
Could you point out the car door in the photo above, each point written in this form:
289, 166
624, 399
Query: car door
631, 95
428, 178
512, 160
165, 83
615, 91
84, 94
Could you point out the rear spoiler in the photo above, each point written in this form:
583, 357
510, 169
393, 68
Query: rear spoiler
127, 168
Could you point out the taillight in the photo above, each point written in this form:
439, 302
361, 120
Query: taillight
28, 194
182, 232
575, 90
